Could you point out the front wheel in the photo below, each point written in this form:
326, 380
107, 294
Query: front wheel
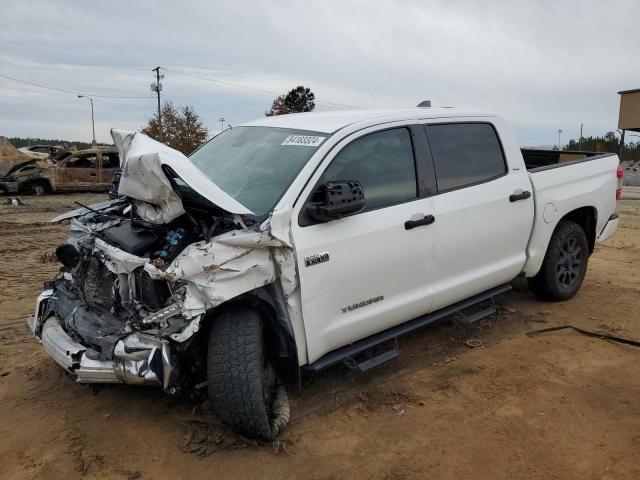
243, 388
37, 188
564, 265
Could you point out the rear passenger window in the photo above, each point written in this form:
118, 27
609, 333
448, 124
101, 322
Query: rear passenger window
465, 153
110, 160
382, 162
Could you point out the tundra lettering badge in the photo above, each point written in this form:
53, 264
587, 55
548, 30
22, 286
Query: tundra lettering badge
361, 304
312, 260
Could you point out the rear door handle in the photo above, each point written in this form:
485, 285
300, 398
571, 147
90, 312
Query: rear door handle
426, 220
519, 195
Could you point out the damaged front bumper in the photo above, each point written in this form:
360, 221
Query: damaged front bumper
137, 358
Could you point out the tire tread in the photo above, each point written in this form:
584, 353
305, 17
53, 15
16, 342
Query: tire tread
235, 368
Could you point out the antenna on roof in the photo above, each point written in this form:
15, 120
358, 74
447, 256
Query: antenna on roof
425, 104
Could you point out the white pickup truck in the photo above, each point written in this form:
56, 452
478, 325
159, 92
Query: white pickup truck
297, 242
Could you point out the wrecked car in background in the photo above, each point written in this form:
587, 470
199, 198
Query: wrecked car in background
42, 152
86, 170
297, 242
10, 156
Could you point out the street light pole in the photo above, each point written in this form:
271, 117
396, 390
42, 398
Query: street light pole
580, 144
93, 123
559, 133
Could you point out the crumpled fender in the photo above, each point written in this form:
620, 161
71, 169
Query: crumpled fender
215, 272
229, 265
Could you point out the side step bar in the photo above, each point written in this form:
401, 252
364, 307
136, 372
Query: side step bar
348, 352
479, 312
384, 357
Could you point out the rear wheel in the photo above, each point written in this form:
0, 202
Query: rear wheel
241, 382
564, 265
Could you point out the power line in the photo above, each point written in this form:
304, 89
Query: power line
71, 92
217, 82
224, 84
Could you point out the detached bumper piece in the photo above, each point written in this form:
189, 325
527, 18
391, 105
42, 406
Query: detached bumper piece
138, 359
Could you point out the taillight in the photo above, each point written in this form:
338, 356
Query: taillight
619, 174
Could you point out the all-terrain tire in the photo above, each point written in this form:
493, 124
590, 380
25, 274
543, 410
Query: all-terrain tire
564, 265
237, 372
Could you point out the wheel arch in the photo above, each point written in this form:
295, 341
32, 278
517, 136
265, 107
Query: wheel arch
587, 218
27, 184
281, 347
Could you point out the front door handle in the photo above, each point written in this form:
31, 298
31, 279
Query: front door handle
426, 220
92, 174
519, 195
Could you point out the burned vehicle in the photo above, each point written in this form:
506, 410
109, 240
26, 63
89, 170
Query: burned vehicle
297, 242
86, 170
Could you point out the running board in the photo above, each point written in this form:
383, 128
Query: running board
348, 352
473, 315
384, 357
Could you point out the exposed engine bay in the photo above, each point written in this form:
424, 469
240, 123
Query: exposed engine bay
104, 293
139, 275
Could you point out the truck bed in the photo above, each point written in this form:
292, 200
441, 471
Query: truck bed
537, 160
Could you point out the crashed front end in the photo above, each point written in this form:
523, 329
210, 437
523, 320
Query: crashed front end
138, 279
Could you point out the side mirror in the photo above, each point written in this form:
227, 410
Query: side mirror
339, 198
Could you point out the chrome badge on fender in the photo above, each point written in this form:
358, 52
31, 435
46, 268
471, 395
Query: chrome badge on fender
316, 259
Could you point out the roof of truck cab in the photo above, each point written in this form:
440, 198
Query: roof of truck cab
332, 121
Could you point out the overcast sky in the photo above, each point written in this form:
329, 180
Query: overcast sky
544, 65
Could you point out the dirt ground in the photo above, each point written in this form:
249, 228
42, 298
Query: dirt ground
559, 405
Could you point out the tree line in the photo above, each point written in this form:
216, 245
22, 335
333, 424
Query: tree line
609, 142
184, 130
20, 142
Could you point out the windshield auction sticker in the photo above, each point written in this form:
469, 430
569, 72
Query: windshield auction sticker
303, 140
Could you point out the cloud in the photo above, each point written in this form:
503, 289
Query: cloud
543, 65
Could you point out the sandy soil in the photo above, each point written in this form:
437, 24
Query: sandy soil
560, 405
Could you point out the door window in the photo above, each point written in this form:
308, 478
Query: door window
465, 154
383, 163
87, 160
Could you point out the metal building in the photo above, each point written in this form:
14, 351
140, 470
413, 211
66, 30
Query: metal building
629, 118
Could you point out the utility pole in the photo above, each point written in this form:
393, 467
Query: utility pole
222, 120
580, 144
157, 87
93, 123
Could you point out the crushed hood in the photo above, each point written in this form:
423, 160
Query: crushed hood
143, 178
10, 156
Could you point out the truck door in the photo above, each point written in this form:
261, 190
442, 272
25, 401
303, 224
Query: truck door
78, 172
367, 271
480, 230
109, 163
